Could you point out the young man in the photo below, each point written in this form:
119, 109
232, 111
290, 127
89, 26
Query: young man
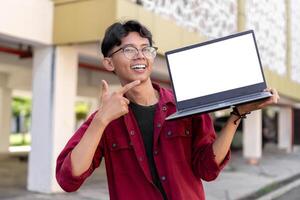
146, 157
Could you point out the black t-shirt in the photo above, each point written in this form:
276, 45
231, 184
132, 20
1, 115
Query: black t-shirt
144, 116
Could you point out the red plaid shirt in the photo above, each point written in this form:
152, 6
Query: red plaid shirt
182, 152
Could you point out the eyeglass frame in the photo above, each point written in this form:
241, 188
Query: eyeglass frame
137, 50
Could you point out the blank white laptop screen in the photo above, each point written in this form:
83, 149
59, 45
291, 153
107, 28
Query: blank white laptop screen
213, 68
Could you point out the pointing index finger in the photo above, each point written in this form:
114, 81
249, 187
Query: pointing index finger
128, 86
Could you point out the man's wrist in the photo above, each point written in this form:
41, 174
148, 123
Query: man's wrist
239, 114
100, 119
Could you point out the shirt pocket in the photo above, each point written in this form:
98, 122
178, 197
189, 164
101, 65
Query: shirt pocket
178, 137
119, 143
120, 154
179, 129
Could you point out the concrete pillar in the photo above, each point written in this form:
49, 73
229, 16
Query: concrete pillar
54, 91
5, 114
252, 136
285, 129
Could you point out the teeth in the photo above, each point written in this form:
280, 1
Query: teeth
138, 67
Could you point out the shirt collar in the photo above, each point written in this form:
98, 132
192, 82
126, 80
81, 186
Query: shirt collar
165, 95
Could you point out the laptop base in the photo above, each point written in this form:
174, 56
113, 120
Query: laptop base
219, 106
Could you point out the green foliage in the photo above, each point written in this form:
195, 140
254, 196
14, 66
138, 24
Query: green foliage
21, 105
81, 110
18, 139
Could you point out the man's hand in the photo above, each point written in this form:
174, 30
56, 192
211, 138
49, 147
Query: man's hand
260, 104
114, 105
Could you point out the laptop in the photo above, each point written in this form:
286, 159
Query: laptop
216, 74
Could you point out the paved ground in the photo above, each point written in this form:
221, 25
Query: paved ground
13, 184
238, 181
294, 194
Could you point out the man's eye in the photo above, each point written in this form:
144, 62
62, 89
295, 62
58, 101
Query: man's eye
149, 49
129, 50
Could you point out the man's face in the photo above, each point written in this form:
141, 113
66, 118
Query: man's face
137, 68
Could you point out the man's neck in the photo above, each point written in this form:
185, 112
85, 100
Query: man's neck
143, 94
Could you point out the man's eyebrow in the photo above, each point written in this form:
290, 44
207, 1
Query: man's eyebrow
132, 45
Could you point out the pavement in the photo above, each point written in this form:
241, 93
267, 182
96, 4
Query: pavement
241, 181
276, 173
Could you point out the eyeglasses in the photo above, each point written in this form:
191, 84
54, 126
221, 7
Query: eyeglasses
131, 52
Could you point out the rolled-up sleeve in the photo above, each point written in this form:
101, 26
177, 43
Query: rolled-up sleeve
64, 176
204, 164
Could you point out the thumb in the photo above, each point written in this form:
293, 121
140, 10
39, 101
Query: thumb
104, 88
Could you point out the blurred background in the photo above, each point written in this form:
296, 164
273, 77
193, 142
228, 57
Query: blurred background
51, 71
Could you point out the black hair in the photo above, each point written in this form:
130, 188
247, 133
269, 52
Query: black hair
118, 30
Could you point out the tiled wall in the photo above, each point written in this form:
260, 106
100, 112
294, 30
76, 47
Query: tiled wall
212, 18
295, 38
269, 20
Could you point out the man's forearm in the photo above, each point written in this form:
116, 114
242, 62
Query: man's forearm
82, 155
222, 144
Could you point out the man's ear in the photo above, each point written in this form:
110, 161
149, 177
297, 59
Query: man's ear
108, 65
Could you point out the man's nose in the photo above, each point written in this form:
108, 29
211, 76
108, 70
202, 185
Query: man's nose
140, 54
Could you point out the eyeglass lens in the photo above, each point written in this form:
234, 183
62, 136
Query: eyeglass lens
131, 52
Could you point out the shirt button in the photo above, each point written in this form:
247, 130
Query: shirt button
114, 145
169, 133
163, 178
164, 108
158, 125
187, 132
155, 152
131, 132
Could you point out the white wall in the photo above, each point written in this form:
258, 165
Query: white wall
252, 136
5, 113
285, 128
19, 71
30, 21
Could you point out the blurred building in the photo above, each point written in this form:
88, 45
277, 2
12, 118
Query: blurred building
50, 50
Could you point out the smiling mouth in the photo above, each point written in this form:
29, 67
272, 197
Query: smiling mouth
138, 67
